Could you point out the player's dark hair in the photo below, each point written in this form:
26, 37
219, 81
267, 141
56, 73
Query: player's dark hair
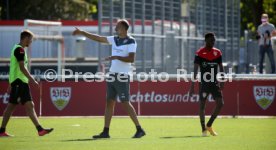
209, 34
26, 33
124, 23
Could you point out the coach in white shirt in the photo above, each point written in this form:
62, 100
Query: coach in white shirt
123, 54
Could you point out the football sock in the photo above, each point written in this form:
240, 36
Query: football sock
2, 130
106, 130
39, 128
139, 128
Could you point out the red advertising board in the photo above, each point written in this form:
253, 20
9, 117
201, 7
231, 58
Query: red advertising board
20, 110
243, 97
257, 98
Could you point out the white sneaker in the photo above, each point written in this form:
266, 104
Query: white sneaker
204, 133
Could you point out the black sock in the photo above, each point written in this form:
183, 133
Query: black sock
39, 128
2, 130
106, 130
139, 128
203, 126
210, 122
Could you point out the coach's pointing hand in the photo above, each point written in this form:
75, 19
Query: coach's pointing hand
77, 31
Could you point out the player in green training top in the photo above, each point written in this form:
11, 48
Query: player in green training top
19, 78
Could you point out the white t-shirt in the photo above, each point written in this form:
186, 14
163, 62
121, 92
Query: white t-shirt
121, 47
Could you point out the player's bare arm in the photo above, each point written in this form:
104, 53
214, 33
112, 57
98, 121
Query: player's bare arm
9, 89
221, 69
27, 73
129, 59
191, 92
91, 36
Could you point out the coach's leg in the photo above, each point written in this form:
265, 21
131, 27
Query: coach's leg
109, 110
6, 116
131, 112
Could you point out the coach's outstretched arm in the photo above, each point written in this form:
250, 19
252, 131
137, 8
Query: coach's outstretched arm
191, 92
91, 36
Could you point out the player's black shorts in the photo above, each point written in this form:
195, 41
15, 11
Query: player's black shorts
118, 87
20, 92
206, 89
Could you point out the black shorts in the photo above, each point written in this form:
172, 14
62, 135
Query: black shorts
206, 89
20, 92
118, 88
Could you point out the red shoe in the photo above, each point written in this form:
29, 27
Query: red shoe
45, 131
5, 134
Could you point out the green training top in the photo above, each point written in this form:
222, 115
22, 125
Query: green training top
15, 72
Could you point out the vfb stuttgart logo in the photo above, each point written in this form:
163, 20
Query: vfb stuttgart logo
60, 96
264, 95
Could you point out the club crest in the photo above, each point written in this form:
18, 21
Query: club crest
60, 96
264, 95
215, 53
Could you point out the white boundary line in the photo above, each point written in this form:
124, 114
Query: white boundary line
195, 117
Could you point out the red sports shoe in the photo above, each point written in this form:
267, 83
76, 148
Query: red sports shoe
45, 131
5, 134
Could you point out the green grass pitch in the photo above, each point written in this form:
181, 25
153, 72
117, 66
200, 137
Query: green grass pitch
162, 133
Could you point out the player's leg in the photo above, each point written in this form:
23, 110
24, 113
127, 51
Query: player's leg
29, 107
13, 101
219, 105
26, 101
217, 95
203, 93
202, 104
6, 117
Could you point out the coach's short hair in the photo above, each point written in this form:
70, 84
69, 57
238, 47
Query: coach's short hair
124, 22
26, 33
265, 15
209, 34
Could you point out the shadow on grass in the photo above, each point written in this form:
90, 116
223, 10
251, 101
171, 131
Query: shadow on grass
84, 140
175, 137
78, 140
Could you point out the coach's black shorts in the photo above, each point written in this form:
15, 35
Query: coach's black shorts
206, 89
118, 88
20, 92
